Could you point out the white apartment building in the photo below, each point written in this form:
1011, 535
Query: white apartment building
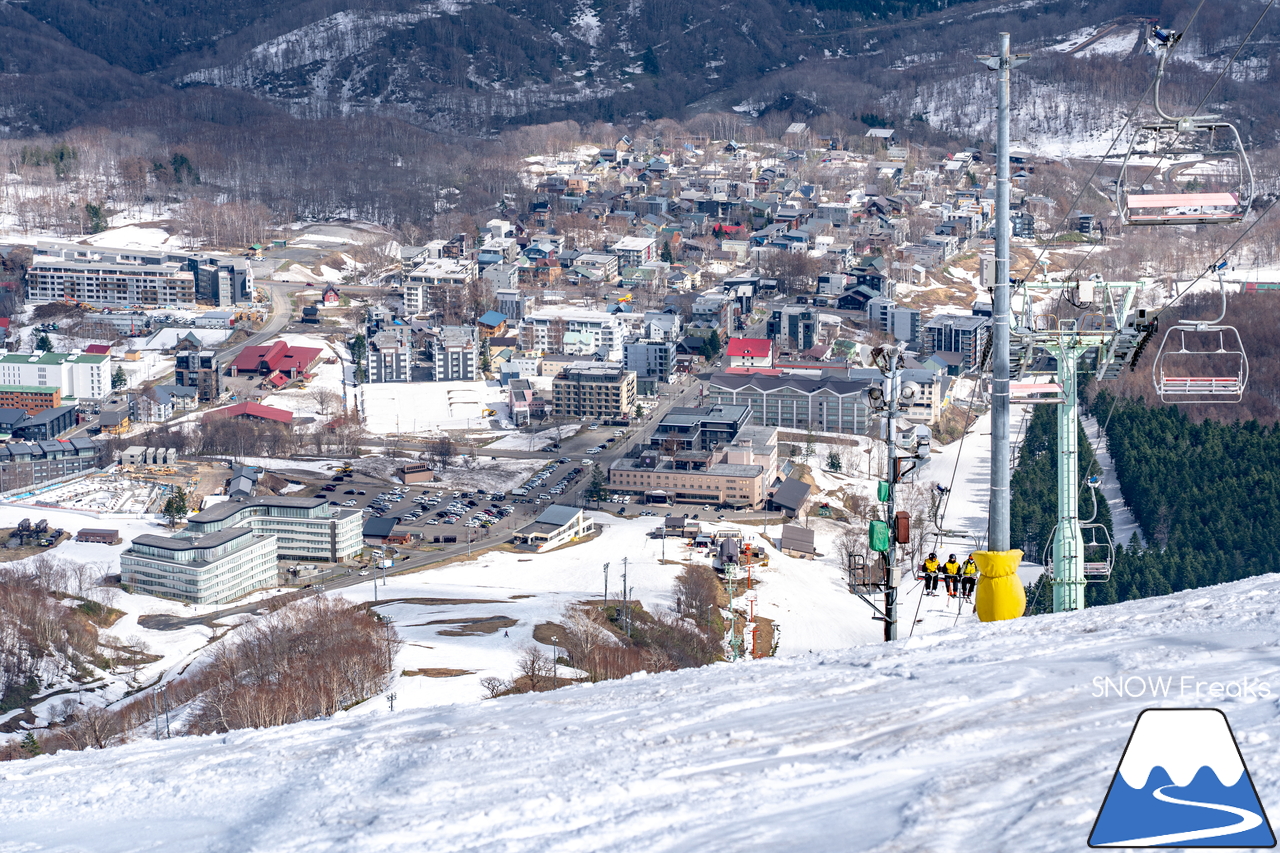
634, 251
428, 288
109, 282
456, 354
545, 330
78, 375
304, 528
203, 569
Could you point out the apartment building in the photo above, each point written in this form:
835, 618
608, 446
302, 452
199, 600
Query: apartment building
113, 278
30, 463
387, 358
650, 360
197, 368
634, 251
796, 325
210, 568
76, 374
544, 331
966, 334
599, 390
304, 528
456, 354
31, 399
887, 316
438, 284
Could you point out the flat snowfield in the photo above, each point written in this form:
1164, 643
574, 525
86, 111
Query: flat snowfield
982, 738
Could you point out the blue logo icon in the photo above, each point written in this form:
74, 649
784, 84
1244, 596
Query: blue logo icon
1182, 782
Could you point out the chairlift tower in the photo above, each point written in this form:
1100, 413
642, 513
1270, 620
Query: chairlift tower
1099, 337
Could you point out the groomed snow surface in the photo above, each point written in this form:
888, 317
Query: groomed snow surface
989, 737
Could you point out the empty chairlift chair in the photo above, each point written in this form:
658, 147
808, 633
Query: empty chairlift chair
1099, 553
1201, 361
1228, 190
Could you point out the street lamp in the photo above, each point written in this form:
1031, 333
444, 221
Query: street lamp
555, 655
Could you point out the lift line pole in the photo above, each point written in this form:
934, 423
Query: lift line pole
998, 523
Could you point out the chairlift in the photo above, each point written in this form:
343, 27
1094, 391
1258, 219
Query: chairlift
1099, 553
1208, 136
1210, 344
864, 578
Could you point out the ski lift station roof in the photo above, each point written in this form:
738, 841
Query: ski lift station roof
792, 494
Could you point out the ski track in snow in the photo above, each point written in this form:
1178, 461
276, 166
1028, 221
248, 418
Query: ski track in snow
1123, 522
986, 737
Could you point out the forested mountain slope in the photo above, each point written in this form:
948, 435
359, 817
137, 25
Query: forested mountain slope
478, 65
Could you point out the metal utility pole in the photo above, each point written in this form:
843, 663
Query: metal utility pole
891, 437
998, 523
606, 587
626, 598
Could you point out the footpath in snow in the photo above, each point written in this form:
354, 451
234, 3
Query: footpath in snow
1123, 522
983, 738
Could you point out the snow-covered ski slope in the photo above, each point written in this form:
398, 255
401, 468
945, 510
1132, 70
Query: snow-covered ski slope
984, 738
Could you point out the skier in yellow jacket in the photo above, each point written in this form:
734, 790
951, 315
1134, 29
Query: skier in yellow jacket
931, 575
952, 568
968, 578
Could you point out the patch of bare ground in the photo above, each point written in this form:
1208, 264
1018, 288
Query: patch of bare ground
544, 632
765, 633
438, 672
430, 602
474, 627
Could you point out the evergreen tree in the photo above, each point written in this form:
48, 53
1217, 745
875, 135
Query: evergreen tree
598, 490
175, 508
30, 745
97, 218
833, 461
119, 379
667, 257
639, 411
43, 343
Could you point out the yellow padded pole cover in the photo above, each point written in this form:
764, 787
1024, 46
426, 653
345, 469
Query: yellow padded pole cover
1000, 594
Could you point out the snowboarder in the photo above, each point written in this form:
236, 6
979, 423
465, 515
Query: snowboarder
952, 568
968, 578
931, 575
505, 634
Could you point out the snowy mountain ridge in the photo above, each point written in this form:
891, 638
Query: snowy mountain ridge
988, 737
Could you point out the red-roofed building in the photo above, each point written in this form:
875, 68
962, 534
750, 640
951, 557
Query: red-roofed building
250, 410
276, 357
97, 349
750, 352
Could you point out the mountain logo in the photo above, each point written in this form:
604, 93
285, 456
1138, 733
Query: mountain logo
1182, 782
